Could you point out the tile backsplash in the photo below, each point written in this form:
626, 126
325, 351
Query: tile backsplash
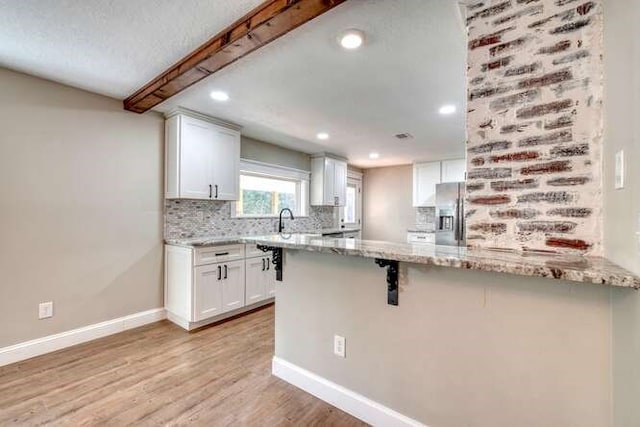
426, 218
202, 218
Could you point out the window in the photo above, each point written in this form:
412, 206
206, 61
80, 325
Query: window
267, 189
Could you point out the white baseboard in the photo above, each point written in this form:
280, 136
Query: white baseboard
347, 400
39, 346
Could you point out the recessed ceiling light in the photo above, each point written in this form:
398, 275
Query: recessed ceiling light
322, 136
447, 109
351, 39
219, 95
374, 155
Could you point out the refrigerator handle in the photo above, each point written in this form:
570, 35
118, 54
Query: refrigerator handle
461, 220
456, 222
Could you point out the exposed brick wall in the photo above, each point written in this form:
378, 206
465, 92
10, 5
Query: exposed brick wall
534, 125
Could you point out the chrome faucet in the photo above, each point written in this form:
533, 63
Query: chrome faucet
280, 224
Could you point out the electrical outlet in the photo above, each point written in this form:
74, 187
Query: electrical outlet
45, 310
619, 178
339, 346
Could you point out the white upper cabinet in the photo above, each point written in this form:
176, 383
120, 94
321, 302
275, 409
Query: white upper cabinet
454, 170
340, 182
226, 164
427, 175
425, 178
202, 159
328, 181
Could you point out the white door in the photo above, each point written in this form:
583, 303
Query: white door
425, 178
351, 213
454, 170
208, 292
340, 182
255, 289
196, 155
232, 285
226, 164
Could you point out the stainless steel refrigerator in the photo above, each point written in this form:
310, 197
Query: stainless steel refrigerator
450, 214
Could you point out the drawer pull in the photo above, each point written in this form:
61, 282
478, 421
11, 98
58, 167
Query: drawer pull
222, 253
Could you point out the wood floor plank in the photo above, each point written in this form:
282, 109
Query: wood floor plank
161, 375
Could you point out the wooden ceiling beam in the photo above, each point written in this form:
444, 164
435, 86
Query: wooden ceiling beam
265, 23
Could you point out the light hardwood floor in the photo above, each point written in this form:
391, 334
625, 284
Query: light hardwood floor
162, 375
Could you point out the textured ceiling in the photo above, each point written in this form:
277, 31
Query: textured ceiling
303, 83
111, 47
413, 62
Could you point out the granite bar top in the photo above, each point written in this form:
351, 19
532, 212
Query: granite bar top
575, 268
337, 230
194, 242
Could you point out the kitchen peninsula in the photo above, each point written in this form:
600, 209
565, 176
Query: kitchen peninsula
471, 326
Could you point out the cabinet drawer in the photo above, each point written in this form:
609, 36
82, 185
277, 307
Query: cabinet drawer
214, 254
252, 251
421, 238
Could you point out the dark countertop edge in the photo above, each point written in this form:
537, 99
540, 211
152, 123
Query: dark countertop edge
630, 281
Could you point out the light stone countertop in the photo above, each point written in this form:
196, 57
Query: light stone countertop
575, 268
338, 230
194, 242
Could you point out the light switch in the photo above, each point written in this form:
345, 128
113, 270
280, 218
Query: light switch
619, 170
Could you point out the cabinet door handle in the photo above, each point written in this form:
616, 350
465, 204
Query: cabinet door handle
216, 190
219, 272
268, 264
263, 268
225, 271
210, 190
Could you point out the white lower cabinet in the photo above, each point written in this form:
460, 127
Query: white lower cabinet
207, 299
261, 279
233, 283
203, 285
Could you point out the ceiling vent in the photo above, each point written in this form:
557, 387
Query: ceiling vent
403, 136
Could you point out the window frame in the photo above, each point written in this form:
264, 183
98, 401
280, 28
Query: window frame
267, 170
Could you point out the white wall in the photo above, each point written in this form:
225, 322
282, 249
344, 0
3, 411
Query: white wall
622, 130
622, 207
387, 209
80, 208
